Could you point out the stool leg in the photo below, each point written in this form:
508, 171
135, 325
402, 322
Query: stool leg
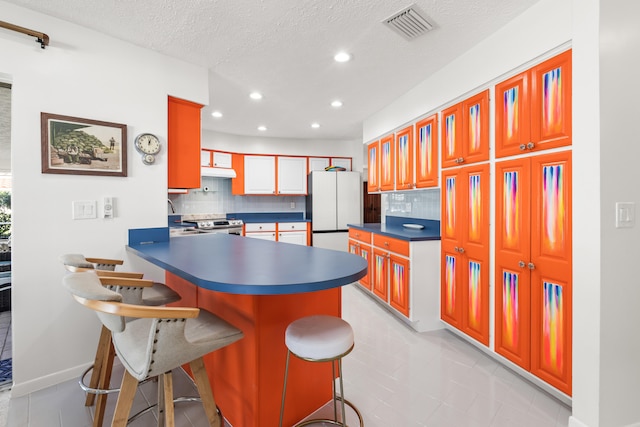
206, 394
125, 400
333, 390
167, 385
284, 387
344, 414
103, 383
103, 344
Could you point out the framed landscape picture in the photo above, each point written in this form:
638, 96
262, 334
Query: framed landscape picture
71, 145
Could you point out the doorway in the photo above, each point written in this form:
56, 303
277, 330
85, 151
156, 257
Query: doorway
370, 205
6, 350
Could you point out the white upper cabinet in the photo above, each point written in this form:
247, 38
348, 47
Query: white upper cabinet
292, 175
318, 163
221, 160
259, 175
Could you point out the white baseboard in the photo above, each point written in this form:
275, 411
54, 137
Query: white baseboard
24, 388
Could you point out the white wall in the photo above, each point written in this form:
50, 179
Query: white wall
82, 74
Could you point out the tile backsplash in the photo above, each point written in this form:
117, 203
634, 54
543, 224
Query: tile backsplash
215, 197
423, 204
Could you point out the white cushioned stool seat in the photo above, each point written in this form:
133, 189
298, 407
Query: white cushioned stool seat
319, 337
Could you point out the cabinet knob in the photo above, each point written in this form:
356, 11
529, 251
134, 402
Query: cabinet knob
455, 249
521, 264
461, 250
531, 266
460, 160
386, 243
523, 147
530, 145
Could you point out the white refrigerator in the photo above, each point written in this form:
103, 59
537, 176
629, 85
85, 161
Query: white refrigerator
334, 200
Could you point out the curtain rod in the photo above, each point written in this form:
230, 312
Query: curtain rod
41, 38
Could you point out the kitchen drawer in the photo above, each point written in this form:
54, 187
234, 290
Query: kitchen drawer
260, 226
363, 236
393, 245
292, 226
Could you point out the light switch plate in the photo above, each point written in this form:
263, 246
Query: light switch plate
625, 214
107, 208
84, 209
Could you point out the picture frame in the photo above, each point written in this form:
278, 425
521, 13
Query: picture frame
77, 146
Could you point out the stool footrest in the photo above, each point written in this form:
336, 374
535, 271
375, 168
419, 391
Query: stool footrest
334, 422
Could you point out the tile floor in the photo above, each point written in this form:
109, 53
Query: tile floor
395, 376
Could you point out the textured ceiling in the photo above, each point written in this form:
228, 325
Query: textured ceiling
285, 48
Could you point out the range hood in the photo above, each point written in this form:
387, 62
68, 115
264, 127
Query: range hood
218, 172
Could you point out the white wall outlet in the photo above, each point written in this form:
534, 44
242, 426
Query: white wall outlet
107, 208
293, 205
84, 209
625, 214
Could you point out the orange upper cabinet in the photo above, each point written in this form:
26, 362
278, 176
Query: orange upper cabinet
404, 159
533, 108
475, 128
451, 136
373, 165
183, 145
426, 152
465, 131
387, 163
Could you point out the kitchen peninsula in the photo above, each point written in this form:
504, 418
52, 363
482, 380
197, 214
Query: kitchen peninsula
260, 287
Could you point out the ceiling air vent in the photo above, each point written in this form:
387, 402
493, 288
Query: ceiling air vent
409, 23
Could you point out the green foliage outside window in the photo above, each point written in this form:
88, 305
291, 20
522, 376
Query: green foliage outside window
5, 214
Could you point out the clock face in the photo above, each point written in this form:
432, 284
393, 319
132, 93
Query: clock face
147, 143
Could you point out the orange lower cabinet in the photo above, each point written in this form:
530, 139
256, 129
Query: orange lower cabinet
365, 252
380, 274
451, 286
399, 284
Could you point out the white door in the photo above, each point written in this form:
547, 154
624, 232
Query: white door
292, 175
349, 199
295, 237
259, 175
323, 201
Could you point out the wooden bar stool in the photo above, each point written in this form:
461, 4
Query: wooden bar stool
134, 290
156, 341
321, 339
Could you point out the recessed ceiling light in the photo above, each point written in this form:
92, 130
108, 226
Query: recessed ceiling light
255, 95
315, 125
262, 128
342, 57
336, 104
216, 114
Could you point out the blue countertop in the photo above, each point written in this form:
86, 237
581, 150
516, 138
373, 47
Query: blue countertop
393, 228
240, 265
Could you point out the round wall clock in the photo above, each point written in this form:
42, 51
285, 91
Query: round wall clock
148, 145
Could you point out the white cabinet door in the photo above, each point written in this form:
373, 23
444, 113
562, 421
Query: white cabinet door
341, 162
221, 160
318, 163
259, 175
270, 235
292, 175
295, 237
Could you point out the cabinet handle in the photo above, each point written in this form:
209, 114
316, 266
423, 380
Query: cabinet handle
531, 266
460, 160
386, 243
461, 250
455, 249
523, 147
521, 264
530, 145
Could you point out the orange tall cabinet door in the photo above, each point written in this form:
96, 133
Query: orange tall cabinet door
373, 165
465, 253
475, 128
512, 253
387, 163
450, 235
183, 145
533, 108
379, 274
404, 159
399, 283
551, 269
426, 152
533, 265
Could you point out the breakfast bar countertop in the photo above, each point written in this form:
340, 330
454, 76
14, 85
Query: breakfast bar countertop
403, 228
233, 264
